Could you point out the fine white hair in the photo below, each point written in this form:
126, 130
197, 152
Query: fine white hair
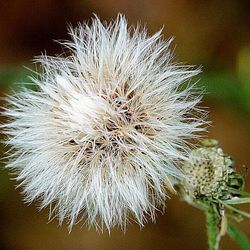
102, 137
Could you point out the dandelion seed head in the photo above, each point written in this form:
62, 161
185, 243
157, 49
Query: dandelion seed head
101, 138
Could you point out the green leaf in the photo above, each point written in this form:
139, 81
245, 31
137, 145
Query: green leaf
246, 214
236, 201
240, 192
239, 237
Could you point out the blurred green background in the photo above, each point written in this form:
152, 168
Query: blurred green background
215, 34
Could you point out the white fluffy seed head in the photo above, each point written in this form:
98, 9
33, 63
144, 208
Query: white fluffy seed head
101, 138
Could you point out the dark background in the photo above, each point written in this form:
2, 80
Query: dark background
215, 34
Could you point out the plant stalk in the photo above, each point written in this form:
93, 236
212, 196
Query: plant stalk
213, 233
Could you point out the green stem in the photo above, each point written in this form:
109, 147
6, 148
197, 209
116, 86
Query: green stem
212, 228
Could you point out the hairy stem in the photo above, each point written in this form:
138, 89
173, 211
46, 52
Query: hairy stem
212, 228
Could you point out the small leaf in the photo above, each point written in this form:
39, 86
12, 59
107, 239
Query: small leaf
236, 200
246, 214
239, 237
235, 191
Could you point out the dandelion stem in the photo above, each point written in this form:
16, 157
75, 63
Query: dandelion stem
212, 228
